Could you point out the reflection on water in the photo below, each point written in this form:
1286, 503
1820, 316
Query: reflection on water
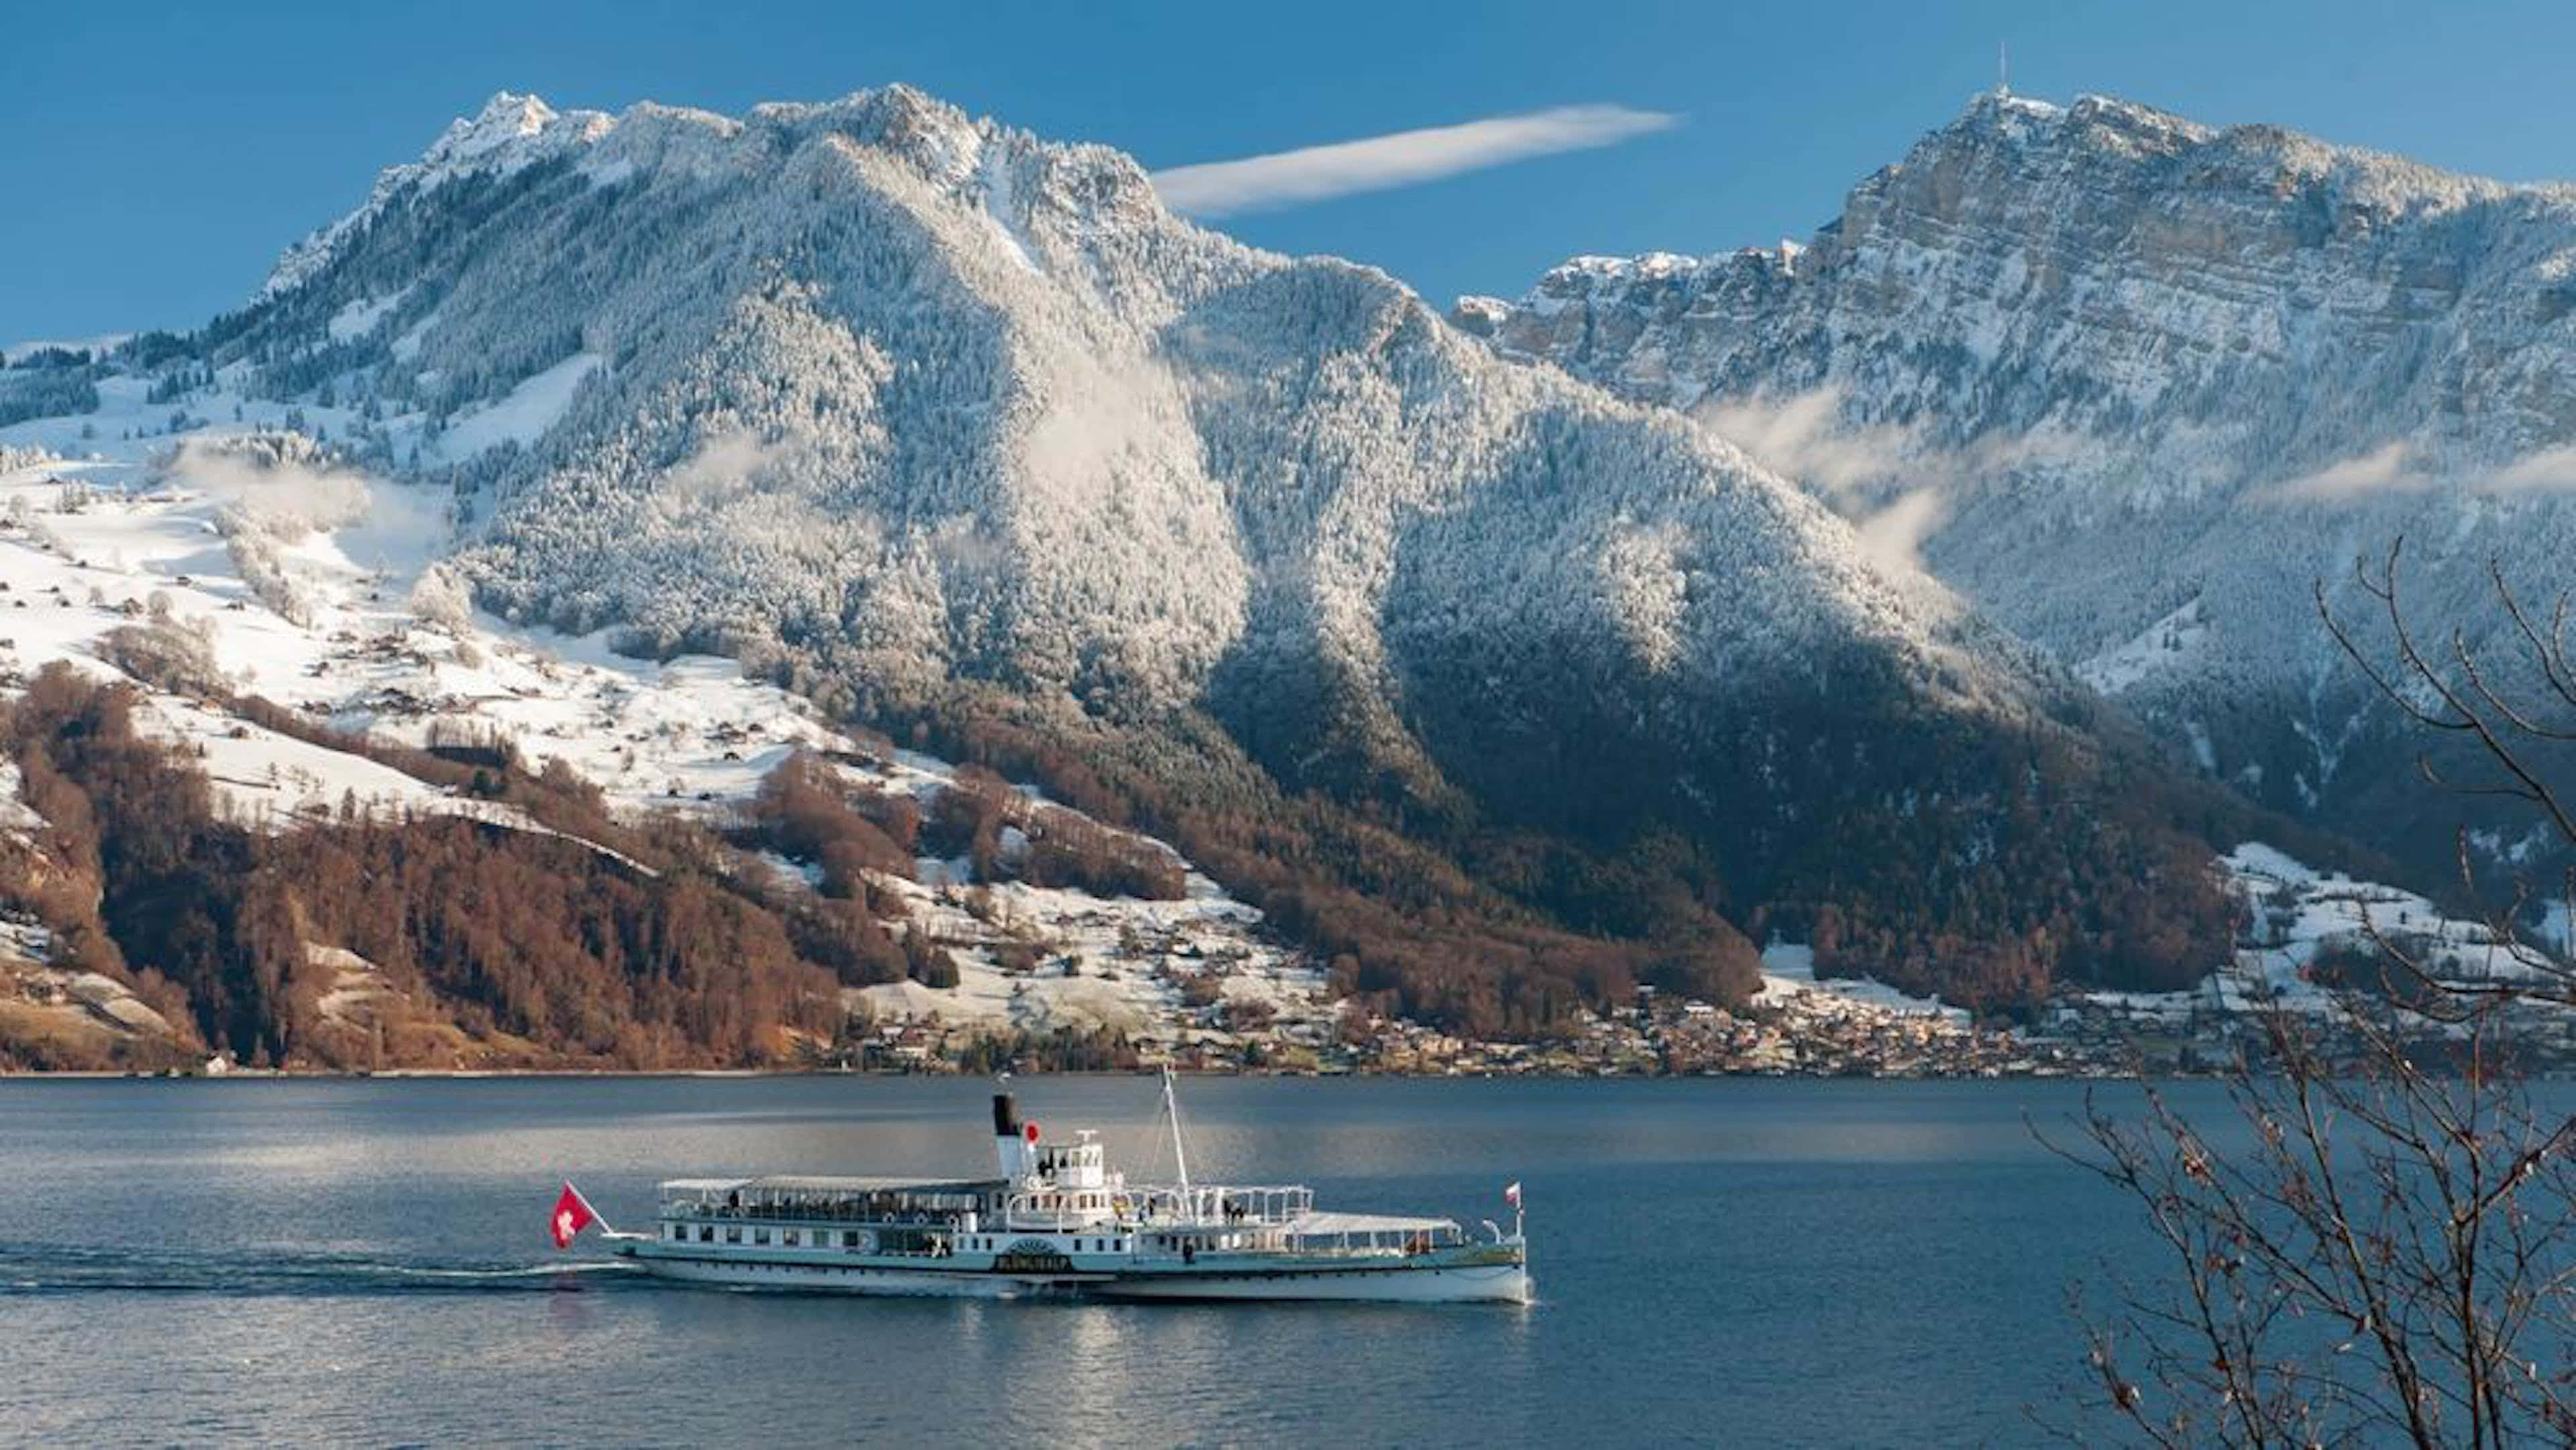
330, 1262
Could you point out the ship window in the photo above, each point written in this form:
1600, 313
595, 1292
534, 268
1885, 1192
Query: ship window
706, 1233
733, 1235
850, 1238
760, 1235
789, 1238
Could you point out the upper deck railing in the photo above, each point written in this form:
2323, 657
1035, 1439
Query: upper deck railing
1216, 1204
807, 1203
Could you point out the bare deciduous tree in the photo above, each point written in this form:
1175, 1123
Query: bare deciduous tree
2376, 1244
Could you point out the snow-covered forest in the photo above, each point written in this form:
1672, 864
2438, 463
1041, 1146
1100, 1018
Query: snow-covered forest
1497, 695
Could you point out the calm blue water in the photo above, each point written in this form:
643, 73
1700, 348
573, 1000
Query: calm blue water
1747, 1263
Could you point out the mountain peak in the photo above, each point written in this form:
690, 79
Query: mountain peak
1005, 169
2092, 121
510, 131
2249, 159
508, 116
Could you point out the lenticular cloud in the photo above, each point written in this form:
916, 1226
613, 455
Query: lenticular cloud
1315, 173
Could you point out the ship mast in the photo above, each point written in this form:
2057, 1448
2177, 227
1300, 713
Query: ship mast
1180, 1156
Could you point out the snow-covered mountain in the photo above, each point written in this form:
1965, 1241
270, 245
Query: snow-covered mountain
874, 371
1508, 692
2131, 385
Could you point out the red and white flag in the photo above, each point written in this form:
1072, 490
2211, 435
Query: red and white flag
1512, 1195
572, 1215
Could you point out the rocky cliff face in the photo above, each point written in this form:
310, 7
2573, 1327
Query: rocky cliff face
2133, 386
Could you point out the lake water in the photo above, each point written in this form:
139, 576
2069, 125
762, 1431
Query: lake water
1738, 1262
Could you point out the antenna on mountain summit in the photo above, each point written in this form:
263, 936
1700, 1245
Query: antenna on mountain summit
2003, 69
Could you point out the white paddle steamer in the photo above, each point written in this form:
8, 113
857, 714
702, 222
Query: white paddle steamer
1059, 1220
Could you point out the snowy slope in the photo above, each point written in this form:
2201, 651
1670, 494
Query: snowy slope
2141, 382
1789, 971
132, 537
2298, 915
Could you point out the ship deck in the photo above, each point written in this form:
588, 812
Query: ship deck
816, 1184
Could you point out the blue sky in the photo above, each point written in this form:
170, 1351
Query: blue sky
155, 158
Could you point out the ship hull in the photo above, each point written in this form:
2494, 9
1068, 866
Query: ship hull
1391, 1284
824, 1278
1488, 1284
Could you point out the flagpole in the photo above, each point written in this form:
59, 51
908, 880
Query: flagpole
1520, 1236
596, 1220
606, 1230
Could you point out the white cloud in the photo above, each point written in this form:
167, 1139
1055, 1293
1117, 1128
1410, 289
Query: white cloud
2389, 468
723, 468
283, 483
1894, 535
2400, 468
2551, 470
1894, 483
1314, 173
1858, 468
1803, 437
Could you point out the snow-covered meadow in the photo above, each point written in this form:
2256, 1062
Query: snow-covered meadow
357, 626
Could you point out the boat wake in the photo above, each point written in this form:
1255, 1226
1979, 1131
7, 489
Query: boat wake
49, 1268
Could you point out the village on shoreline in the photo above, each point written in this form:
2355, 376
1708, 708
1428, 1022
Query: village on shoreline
1794, 1029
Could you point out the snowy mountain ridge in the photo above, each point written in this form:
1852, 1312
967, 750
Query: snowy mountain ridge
1077, 282
2136, 383
927, 419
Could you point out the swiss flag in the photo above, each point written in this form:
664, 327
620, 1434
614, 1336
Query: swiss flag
572, 1215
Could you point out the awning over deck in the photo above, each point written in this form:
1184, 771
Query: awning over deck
1328, 1225
796, 1183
